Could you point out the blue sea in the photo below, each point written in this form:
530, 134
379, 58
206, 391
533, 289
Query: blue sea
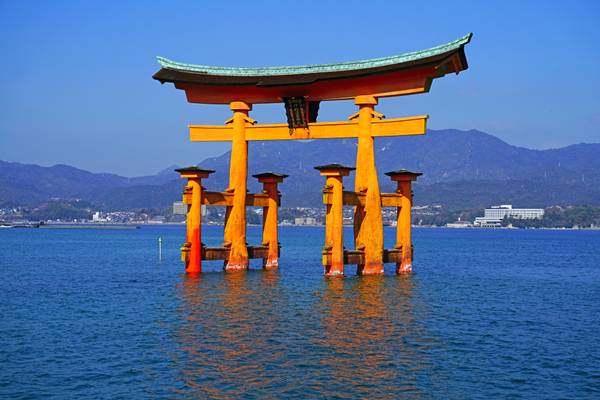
487, 314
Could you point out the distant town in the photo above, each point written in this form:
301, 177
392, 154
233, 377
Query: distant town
60, 212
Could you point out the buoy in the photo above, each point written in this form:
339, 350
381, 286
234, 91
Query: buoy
159, 249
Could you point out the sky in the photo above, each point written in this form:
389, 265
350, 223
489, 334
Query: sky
77, 88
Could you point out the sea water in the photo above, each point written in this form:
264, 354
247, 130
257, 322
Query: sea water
94, 313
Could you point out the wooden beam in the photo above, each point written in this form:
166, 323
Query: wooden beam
316, 130
358, 199
226, 199
391, 200
222, 253
358, 256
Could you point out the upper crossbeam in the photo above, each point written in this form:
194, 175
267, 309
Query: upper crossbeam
316, 130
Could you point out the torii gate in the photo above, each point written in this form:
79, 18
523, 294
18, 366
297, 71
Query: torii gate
301, 89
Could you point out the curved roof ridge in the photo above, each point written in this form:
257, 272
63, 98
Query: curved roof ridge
315, 68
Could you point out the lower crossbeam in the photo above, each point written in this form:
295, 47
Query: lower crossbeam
222, 253
352, 257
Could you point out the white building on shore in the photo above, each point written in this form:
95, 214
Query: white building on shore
494, 215
305, 221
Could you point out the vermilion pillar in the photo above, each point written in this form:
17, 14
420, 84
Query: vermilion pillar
192, 196
403, 223
368, 220
235, 223
270, 235
334, 228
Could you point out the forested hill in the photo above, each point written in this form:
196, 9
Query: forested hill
461, 169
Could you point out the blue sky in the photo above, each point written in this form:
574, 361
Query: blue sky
77, 88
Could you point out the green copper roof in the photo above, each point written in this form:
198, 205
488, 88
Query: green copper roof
403, 172
194, 168
316, 68
334, 166
270, 174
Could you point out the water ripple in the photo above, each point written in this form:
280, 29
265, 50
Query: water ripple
486, 314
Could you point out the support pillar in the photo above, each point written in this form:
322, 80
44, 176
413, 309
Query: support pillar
333, 193
368, 220
403, 223
235, 223
270, 236
191, 251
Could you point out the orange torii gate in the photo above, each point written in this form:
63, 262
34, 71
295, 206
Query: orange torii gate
301, 89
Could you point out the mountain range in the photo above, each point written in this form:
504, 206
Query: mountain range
461, 169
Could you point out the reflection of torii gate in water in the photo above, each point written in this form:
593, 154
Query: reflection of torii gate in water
301, 89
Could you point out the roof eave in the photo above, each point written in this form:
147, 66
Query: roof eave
176, 76
169, 67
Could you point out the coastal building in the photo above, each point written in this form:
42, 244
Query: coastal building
158, 219
305, 221
459, 224
179, 208
494, 215
482, 222
507, 211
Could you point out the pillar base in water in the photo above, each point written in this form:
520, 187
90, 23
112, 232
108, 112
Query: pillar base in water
193, 271
334, 274
370, 269
238, 266
404, 268
271, 264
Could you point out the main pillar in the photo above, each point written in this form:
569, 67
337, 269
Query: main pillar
368, 221
333, 194
235, 223
192, 196
403, 223
270, 236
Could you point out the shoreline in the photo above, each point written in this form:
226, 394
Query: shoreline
140, 225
